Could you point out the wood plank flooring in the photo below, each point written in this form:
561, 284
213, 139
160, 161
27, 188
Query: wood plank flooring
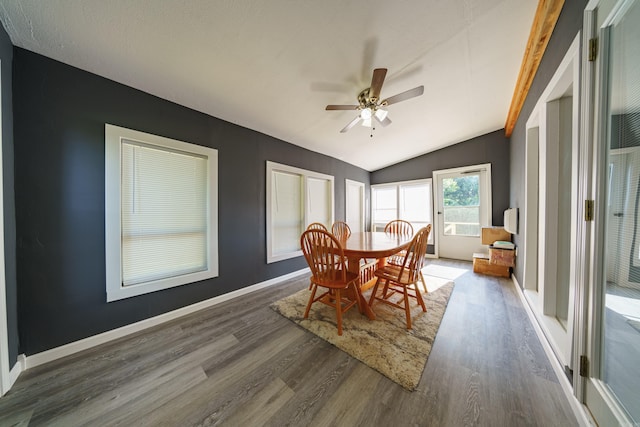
242, 364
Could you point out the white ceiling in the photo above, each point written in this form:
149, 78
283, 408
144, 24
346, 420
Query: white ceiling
273, 66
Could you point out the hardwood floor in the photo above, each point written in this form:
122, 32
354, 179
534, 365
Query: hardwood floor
242, 364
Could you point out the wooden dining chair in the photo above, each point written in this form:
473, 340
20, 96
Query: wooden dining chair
317, 226
404, 228
341, 230
325, 257
399, 226
403, 279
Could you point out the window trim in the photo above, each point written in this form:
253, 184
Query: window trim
305, 174
113, 227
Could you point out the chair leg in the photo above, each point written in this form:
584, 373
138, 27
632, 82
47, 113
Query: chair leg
358, 297
313, 295
385, 290
407, 309
424, 283
339, 311
419, 298
372, 298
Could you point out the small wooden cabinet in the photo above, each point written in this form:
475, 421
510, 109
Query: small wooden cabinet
483, 265
503, 257
492, 234
498, 261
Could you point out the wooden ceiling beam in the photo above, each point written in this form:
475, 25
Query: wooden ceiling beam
543, 24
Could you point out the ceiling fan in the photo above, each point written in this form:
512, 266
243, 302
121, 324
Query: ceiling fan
369, 104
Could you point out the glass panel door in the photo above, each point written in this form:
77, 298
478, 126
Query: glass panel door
620, 370
613, 389
464, 207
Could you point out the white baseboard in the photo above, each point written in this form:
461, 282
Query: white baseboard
579, 410
17, 369
95, 340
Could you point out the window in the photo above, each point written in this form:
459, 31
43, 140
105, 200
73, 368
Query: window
161, 212
410, 201
295, 198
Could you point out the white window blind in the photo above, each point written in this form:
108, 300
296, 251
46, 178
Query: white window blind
164, 213
161, 216
385, 206
286, 212
319, 206
415, 204
295, 198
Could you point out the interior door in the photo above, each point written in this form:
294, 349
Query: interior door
612, 386
463, 208
354, 203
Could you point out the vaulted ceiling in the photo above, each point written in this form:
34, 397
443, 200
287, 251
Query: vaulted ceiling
273, 66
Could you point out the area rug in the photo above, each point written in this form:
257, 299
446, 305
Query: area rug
383, 344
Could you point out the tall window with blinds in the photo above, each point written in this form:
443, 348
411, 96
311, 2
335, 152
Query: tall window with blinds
295, 198
161, 213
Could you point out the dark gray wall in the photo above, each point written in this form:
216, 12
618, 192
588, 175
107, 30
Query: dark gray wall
60, 114
566, 29
6, 57
490, 148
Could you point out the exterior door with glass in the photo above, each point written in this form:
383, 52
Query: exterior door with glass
463, 203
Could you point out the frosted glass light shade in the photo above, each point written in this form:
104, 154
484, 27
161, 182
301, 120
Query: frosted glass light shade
381, 114
366, 114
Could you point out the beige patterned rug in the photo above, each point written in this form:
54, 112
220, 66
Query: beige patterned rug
383, 344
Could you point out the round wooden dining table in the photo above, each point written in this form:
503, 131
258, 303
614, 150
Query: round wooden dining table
368, 245
371, 244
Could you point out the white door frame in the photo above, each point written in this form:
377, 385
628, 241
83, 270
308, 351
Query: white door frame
437, 202
4, 335
547, 259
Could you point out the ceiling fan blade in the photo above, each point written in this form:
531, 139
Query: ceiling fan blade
376, 83
411, 93
386, 122
351, 124
342, 107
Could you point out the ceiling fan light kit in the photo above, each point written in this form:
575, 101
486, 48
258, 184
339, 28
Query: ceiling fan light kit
366, 114
369, 103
